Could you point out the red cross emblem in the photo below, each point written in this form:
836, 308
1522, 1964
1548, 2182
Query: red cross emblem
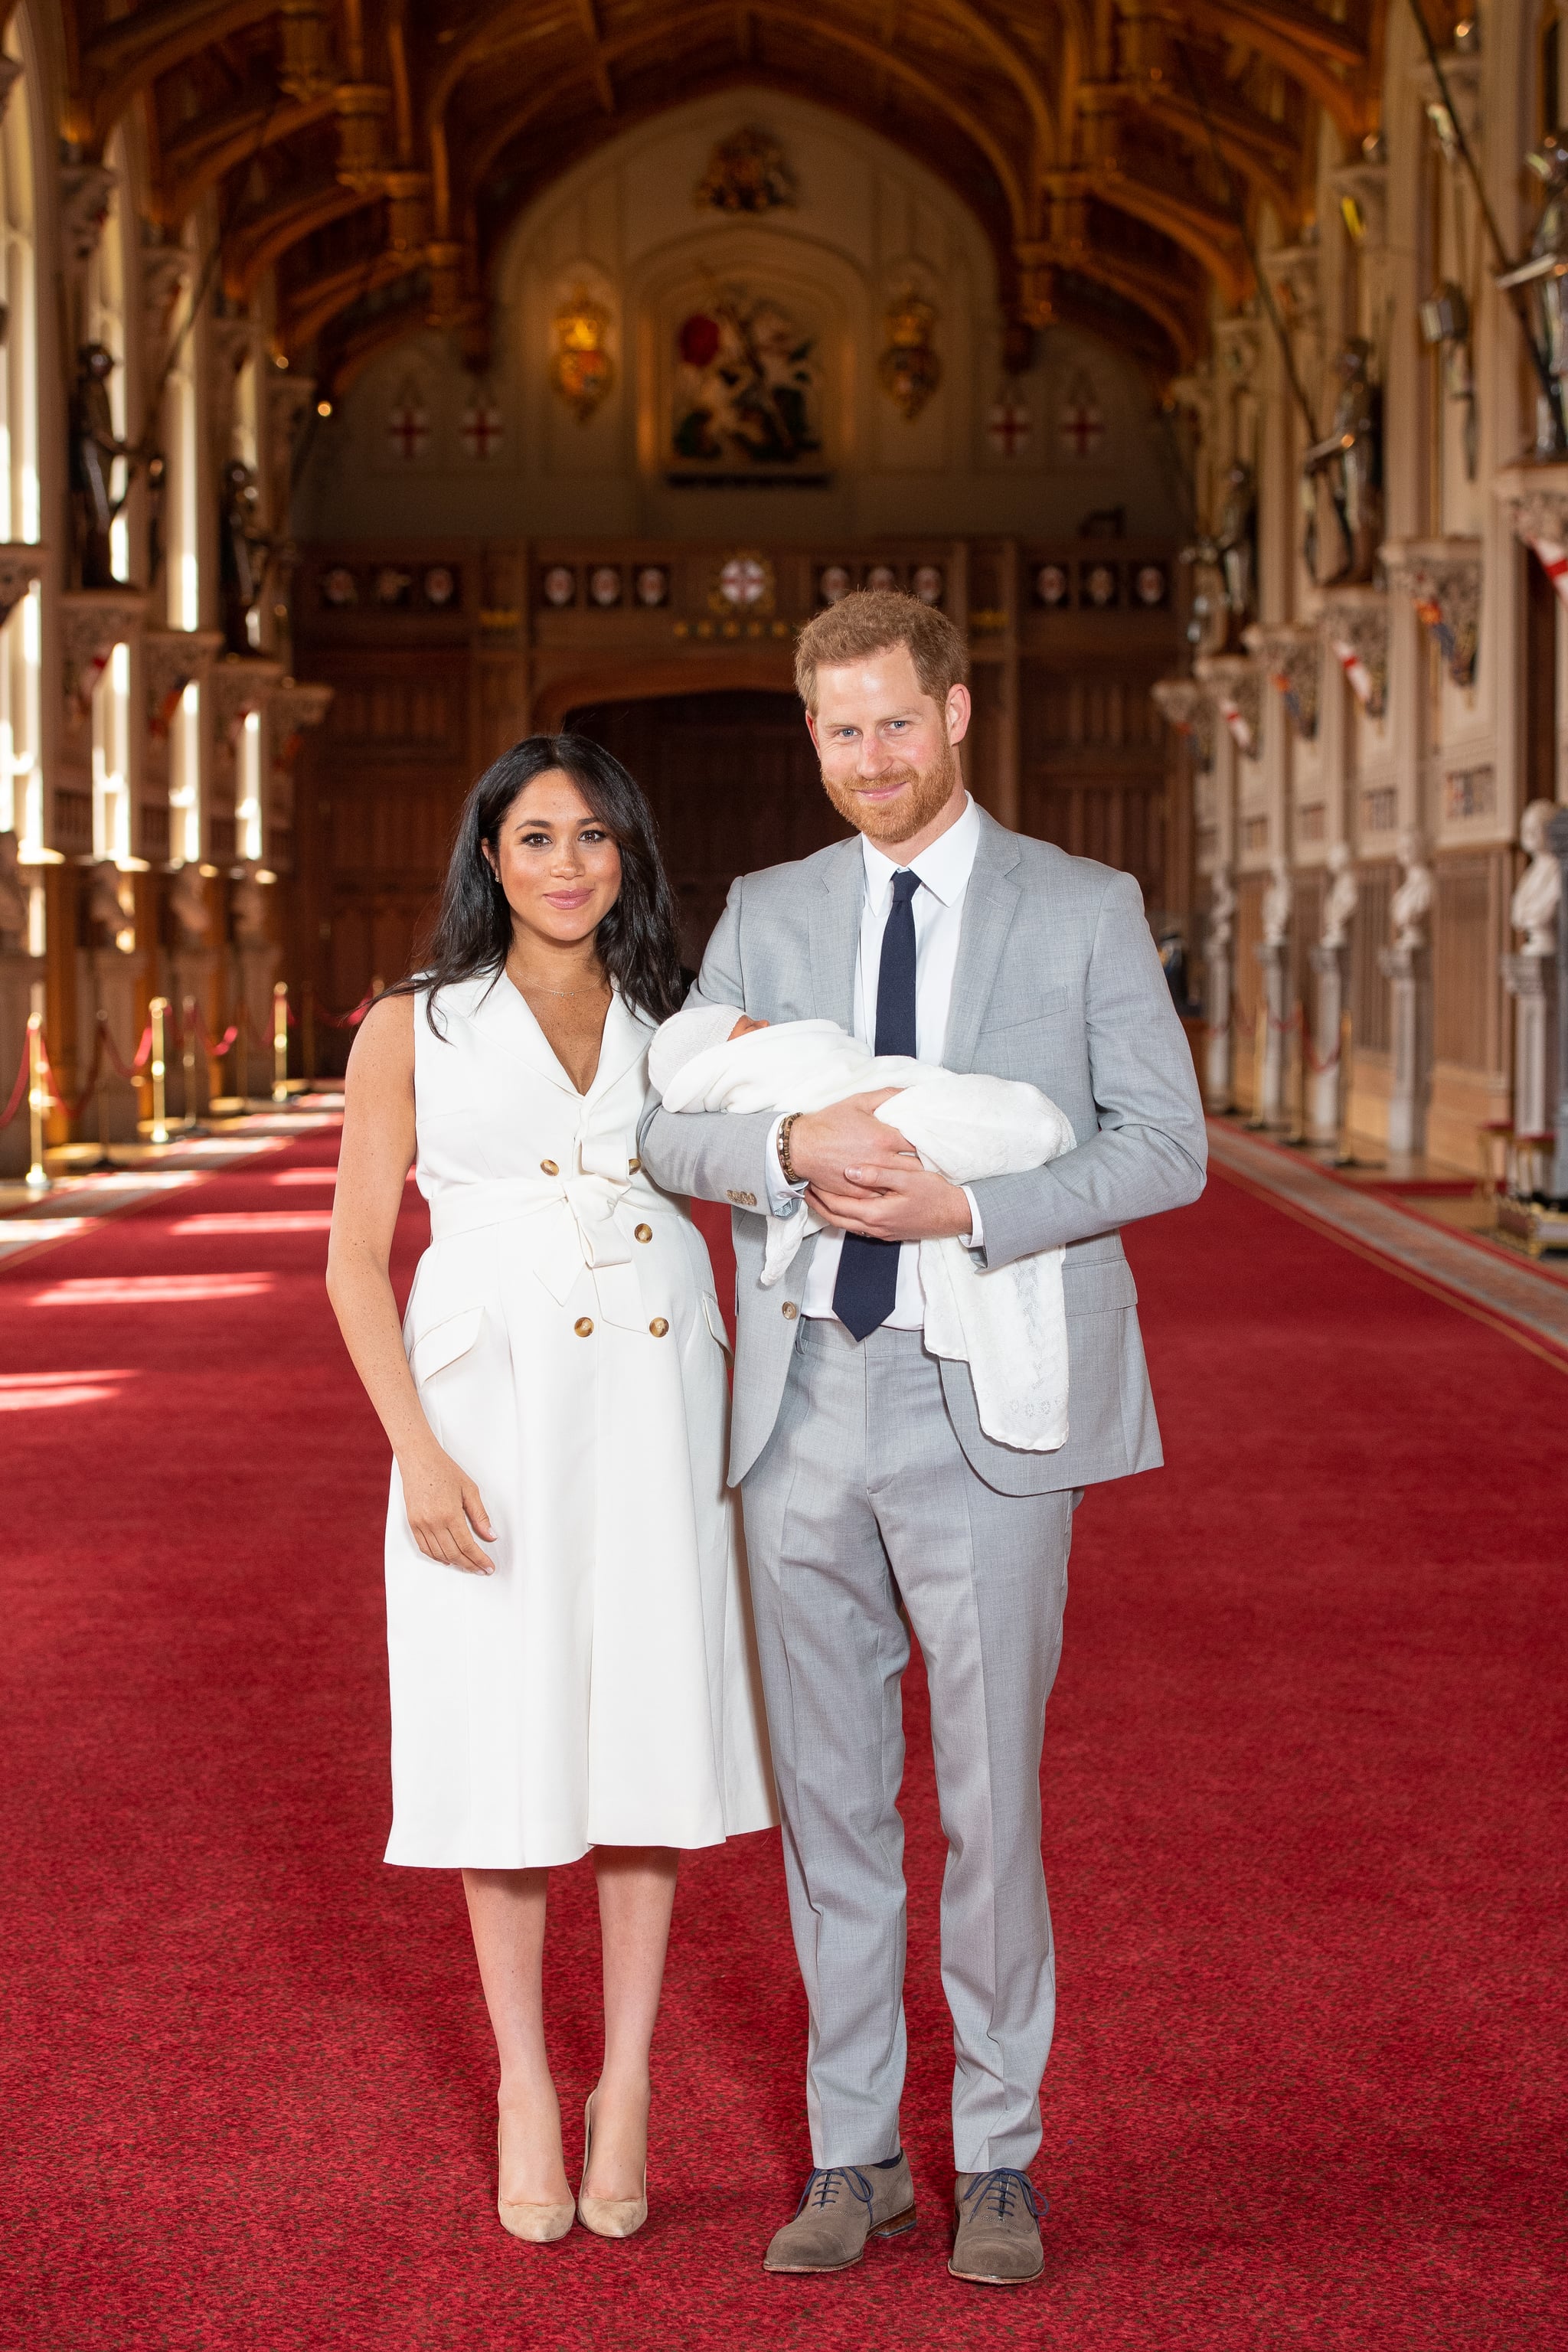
408, 430
482, 430
1081, 428
1009, 427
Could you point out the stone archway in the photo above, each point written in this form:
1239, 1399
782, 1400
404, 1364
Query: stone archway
732, 780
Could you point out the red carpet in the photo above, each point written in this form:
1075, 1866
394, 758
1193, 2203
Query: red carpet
1303, 1823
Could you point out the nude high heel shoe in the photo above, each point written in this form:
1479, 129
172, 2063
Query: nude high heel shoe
608, 2216
541, 2225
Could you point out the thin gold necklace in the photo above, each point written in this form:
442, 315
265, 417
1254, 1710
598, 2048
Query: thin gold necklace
537, 988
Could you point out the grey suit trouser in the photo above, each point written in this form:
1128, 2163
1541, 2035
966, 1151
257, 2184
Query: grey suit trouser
863, 1494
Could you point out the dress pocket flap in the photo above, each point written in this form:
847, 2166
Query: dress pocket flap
711, 1308
1097, 1290
444, 1342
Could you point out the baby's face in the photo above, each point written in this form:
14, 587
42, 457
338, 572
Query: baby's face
743, 1027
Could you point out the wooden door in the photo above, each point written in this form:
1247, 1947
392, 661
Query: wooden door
733, 784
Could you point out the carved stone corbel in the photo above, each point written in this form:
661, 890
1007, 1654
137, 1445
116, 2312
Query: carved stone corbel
1355, 623
292, 706
87, 196
236, 688
1293, 656
172, 659
1539, 514
1188, 707
1236, 682
1442, 577
93, 621
21, 563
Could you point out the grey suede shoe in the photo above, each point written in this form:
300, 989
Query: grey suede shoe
839, 2209
998, 2240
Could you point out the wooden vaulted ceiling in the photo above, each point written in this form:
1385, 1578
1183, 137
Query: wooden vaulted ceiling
376, 151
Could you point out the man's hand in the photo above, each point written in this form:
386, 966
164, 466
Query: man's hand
909, 1203
825, 1144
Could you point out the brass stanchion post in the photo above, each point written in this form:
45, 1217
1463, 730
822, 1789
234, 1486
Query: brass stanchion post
159, 1070
280, 1041
188, 1059
39, 1177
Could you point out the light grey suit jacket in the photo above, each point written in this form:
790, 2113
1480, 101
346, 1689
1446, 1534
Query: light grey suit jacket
1058, 982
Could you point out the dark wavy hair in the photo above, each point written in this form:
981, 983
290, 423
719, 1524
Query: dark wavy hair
635, 940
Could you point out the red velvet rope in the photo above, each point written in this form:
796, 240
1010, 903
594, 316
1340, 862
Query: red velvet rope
133, 1069
20, 1091
71, 1109
343, 1020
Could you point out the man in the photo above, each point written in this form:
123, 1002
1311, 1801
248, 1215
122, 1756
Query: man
865, 1479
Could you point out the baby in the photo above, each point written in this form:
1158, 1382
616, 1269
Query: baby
1009, 1327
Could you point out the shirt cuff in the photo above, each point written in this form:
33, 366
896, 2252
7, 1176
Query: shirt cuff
784, 1199
974, 1238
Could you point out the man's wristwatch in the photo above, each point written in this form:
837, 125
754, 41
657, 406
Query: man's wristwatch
787, 1164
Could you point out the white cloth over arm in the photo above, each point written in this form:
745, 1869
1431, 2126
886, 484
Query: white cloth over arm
1008, 1326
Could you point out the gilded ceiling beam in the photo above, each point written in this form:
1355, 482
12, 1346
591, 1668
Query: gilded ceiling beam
1330, 66
604, 90
316, 305
1209, 234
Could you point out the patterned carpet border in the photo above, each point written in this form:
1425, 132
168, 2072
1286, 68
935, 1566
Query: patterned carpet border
1528, 1303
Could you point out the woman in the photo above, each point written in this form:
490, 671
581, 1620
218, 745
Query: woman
571, 1659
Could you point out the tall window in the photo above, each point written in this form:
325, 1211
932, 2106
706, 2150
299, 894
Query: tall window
182, 561
21, 779
103, 321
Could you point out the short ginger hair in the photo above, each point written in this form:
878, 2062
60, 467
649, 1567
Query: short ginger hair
873, 621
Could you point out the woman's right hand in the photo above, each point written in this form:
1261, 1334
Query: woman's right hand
446, 1512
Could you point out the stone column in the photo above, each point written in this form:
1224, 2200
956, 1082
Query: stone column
1217, 1082
1325, 1081
1408, 971
1557, 839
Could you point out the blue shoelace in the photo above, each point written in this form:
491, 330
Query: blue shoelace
999, 2187
822, 2189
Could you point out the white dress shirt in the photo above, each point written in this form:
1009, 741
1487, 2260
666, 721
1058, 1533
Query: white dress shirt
938, 909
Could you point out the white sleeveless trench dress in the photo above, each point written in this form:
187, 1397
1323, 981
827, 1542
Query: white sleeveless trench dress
601, 1688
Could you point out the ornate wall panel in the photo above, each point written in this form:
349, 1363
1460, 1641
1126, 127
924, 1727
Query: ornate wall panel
1368, 990
1470, 931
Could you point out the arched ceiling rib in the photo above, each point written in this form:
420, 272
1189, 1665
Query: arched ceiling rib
366, 145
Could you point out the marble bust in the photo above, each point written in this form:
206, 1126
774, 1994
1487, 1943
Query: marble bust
1412, 902
1277, 900
1540, 887
1340, 901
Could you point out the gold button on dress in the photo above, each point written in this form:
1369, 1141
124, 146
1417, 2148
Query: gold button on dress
658, 1326
549, 1167
644, 1232
584, 1326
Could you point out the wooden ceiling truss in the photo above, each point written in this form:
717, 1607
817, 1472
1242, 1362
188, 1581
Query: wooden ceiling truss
376, 153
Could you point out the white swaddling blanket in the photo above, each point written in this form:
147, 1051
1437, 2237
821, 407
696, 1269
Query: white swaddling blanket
1009, 1327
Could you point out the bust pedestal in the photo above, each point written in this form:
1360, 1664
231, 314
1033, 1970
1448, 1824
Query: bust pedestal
1532, 982
1217, 1043
1410, 985
108, 978
1274, 957
19, 972
1325, 1084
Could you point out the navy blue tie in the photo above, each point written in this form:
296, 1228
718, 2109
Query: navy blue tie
868, 1281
